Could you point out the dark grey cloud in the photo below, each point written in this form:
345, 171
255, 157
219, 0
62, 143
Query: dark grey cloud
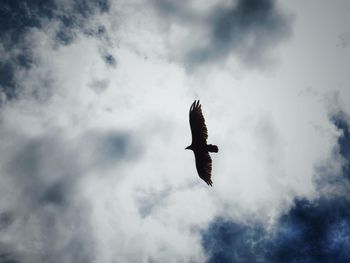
47, 168
6, 81
109, 148
42, 175
245, 29
6, 218
176, 10
8, 258
151, 200
40, 178
344, 40
99, 85
109, 60
56, 194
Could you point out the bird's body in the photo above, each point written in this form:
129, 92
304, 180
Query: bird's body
199, 144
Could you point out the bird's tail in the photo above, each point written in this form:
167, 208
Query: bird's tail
212, 148
209, 182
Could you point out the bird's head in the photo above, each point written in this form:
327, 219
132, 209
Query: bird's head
189, 147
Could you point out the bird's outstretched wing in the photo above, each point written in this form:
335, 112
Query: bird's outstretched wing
197, 123
204, 166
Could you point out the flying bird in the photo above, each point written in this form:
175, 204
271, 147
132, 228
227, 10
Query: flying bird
199, 144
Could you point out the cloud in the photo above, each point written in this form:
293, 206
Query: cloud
39, 194
44, 217
93, 166
20, 17
344, 40
335, 180
341, 122
246, 30
312, 231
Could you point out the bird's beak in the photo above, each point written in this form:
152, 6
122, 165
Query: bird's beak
187, 148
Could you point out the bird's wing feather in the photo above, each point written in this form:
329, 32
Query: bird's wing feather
197, 123
204, 166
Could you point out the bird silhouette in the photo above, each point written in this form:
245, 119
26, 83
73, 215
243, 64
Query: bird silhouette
199, 144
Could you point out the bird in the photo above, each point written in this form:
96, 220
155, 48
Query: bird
199, 144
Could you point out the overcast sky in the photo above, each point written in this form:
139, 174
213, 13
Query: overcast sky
94, 101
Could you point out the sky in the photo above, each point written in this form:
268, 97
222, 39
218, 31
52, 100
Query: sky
94, 101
